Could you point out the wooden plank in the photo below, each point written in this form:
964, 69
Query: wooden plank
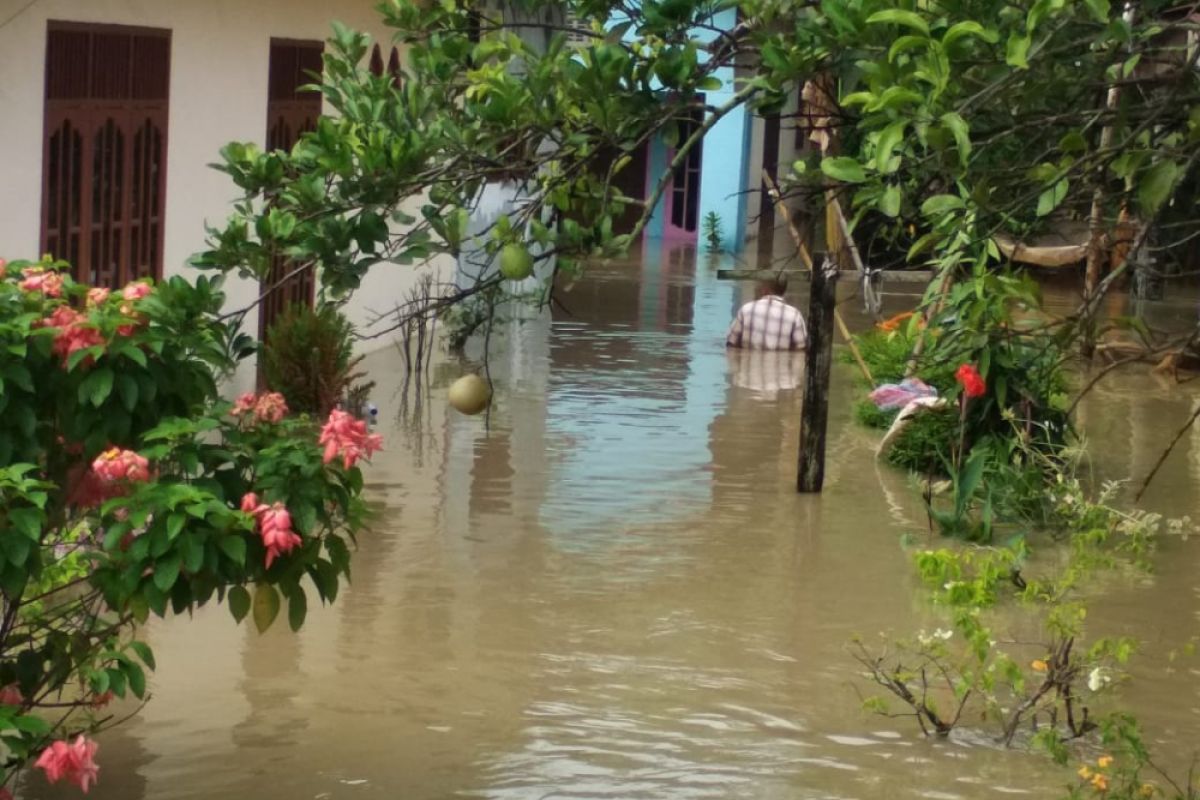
888, 276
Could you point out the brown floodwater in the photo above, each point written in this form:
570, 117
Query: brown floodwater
614, 592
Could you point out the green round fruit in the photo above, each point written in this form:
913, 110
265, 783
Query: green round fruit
516, 262
470, 394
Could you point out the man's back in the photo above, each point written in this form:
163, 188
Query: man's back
768, 324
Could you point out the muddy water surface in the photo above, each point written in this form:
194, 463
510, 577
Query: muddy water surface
615, 593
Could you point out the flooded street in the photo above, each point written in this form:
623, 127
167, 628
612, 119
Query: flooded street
616, 593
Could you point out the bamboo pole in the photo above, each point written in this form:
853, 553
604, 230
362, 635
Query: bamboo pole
1097, 234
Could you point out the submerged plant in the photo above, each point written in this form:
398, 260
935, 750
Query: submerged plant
308, 357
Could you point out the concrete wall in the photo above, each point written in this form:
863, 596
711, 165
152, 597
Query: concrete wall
219, 64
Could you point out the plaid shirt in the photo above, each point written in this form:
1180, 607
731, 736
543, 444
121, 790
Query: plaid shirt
768, 324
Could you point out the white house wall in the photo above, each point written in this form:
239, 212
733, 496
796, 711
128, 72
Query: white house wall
219, 65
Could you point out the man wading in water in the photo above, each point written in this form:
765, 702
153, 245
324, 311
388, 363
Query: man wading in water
768, 323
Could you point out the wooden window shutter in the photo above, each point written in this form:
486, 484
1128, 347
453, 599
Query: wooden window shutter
104, 150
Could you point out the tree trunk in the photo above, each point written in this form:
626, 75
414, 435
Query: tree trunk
818, 361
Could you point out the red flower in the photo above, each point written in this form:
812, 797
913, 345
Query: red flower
971, 381
75, 762
11, 695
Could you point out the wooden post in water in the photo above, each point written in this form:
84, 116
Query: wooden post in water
818, 361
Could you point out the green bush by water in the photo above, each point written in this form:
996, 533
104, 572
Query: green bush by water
308, 357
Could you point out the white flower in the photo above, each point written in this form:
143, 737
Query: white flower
943, 634
1098, 679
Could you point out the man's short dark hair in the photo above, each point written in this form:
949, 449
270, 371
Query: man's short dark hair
777, 284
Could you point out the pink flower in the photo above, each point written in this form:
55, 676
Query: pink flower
271, 407
243, 404
3, 269
37, 279
136, 291
347, 436
74, 332
277, 534
116, 465
97, 296
251, 505
11, 696
75, 762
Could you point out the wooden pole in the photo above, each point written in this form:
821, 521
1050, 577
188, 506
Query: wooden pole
818, 364
786, 213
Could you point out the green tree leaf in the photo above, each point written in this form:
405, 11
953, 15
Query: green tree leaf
1017, 52
966, 28
889, 202
127, 387
1156, 185
1052, 198
962, 136
143, 652
96, 387
897, 16
844, 169
889, 139
941, 203
239, 603
235, 547
166, 572
297, 608
266, 606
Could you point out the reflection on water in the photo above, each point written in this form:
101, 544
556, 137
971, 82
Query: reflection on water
615, 591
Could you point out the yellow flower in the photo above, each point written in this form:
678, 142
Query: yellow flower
1104, 762
1039, 666
1147, 790
1100, 782
1085, 772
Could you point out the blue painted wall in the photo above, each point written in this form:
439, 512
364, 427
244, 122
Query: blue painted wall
724, 170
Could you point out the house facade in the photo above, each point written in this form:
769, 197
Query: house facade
115, 110
723, 176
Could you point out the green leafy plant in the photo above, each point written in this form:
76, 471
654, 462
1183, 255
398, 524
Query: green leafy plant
712, 232
308, 357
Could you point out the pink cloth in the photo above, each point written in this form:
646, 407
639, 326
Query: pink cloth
893, 395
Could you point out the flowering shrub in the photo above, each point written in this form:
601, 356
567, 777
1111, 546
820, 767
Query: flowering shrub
130, 488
